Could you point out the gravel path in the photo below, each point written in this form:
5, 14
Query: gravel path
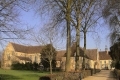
103, 75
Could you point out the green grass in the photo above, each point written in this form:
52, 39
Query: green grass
20, 75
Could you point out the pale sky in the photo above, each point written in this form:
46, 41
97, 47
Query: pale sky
31, 20
92, 42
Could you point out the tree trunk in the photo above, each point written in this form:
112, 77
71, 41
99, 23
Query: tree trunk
68, 52
77, 49
77, 67
83, 66
50, 67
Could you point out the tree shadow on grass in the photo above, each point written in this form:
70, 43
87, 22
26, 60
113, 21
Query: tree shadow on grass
8, 77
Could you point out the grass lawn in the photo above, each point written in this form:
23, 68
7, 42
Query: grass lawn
20, 75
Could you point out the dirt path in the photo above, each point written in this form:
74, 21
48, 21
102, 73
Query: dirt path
103, 75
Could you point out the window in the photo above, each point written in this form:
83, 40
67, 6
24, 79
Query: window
31, 57
109, 62
35, 58
105, 62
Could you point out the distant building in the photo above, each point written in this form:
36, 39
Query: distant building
105, 60
59, 56
93, 59
20, 53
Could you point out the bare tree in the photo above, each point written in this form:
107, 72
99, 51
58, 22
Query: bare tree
61, 11
9, 19
76, 22
84, 17
48, 37
90, 16
81, 14
111, 13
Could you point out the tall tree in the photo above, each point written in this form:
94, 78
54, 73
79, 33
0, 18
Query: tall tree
61, 11
68, 20
75, 13
111, 13
76, 22
84, 17
90, 13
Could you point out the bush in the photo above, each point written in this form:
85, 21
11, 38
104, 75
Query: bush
45, 63
71, 75
117, 65
26, 66
44, 78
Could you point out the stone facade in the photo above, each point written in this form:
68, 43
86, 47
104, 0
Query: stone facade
94, 59
20, 53
90, 59
105, 60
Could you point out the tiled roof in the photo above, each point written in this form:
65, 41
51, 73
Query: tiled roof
91, 54
60, 54
26, 49
23, 58
103, 55
73, 52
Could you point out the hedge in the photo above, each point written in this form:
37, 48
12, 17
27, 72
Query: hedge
70, 75
26, 66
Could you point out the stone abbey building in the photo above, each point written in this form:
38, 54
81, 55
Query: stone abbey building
22, 54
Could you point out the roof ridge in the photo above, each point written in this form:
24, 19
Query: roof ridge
26, 49
25, 45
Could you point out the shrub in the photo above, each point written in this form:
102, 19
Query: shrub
45, 63
26, 66
117, 65
71, 75
44, 78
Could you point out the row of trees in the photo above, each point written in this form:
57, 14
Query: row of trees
78, 16
82, 16
74, 16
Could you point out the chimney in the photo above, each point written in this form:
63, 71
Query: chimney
106, 49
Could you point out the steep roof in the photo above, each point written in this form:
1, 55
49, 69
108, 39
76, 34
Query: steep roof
73, 52
91, 54
26, 49
103, 55
23, 58
60, 54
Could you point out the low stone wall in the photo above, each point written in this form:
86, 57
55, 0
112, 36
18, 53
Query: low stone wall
70, 75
